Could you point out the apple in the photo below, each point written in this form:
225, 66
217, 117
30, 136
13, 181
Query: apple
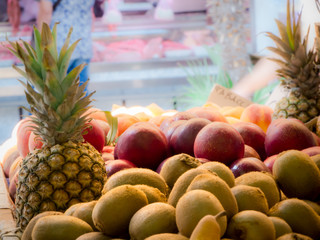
94, 135
248, 164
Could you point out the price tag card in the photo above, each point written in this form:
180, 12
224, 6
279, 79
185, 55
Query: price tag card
225, 97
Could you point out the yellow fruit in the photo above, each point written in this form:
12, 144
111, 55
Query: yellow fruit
251, 225
250, 198
27, 233
218, 188
182, 183
281, 226
153, 219
222, 170
114, 210
55, 227
297, 175
207, 228
264, 181
135, 176
193, 206
299, 215
176, 165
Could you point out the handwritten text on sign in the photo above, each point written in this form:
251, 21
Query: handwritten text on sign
225, 97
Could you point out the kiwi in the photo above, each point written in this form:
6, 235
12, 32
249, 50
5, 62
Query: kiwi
294, 236
193, 206
167, 236
176, 165
250, 224
70, 210
153, 219
113, 211
135, 176
182, 183
315, 206
153, 194
297, 175
55, 227
222, 170
95, 236
27, 233
217, 187
316, 159
299, 215
264, 181
250, 198
281, 226
85, 213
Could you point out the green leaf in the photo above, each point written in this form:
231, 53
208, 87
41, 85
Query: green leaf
72, 76
113, 123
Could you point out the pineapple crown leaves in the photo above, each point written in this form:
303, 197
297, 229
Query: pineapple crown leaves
297, 70
56, 99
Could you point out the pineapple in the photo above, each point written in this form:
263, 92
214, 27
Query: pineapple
298, 72
66, 170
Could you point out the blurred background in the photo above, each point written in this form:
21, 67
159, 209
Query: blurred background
164, 52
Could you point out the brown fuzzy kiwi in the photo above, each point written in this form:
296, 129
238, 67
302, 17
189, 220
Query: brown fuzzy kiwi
193, 206
297, 175
28, 230
167, 236
135, 176
222, 170
217, 187
176, 165
182, 183
250, 224
72, 208
299, 215
264, 181
64, 227
281, 226
95, 236
85, 213
114, 210
315, 205
153, 194
153, 219
250, 198
316, 160
294, 236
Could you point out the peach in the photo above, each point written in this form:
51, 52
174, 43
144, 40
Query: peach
235, 112
96, 113
250, 152
15, 166
94, 135
311, 151
182, 138
177, 116
158, 119
104, 125
269, 161
285, 134
35, 142
13, 186
171, 128
125, 121
258, 114
219, 141
8, 159
23, 133
233, 120
208, 113
253, 136
142, 144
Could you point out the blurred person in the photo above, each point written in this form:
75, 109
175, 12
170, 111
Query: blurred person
265, 70
78, 15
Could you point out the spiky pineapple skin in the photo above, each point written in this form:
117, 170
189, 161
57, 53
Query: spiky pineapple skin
54, 178
297, 106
